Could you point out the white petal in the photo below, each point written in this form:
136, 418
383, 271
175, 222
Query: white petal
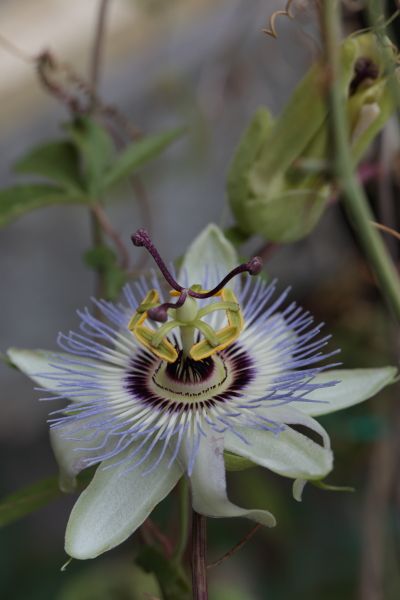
72, 446
208, 484
288, 453
355, 385
115, 504
39, 366
287, 414
209, 257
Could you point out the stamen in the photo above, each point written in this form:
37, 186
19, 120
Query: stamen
142, 239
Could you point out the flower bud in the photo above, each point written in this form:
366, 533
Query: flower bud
281, 176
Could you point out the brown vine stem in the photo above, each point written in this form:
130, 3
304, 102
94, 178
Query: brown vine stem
113, 234
151, 528
387, 229
199, 551
235, 548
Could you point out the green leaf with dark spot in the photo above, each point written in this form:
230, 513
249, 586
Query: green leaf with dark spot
57, 161
137, 154
19, 199
171, 577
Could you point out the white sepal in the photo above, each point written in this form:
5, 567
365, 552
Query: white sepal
41, 366
288, 452
354, 386
116, 503
73, 444
208, 485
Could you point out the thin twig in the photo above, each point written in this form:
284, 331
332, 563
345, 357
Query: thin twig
235, 548
110, 232
271, 29
98, 44
386, 229
15, 50
150, 528
96, 223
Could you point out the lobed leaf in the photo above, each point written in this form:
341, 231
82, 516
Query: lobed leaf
19, 199
96, 150
57, 161
137, 154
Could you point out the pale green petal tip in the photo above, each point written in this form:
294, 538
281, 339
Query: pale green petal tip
298, 489
353, 386
25, 360
210, 247
67, 483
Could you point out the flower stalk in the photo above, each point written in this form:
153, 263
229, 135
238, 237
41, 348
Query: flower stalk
199, 552
184, 516
354, 198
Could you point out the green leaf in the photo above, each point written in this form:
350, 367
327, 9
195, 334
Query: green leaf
19, 199
171, 577
19, 504
102, 259
57, 161
96, 150
137, 154
110, 580
27, 500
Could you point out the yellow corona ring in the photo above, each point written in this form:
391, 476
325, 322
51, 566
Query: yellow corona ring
190, 320
198, 338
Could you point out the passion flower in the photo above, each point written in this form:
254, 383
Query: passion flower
161, 389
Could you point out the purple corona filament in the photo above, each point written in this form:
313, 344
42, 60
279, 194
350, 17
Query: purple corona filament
159, 313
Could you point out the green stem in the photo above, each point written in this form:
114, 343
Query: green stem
184, 520
97, 240
354, 198
98, 47
199, 552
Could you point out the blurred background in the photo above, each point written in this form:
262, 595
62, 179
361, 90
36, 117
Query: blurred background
204, 64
